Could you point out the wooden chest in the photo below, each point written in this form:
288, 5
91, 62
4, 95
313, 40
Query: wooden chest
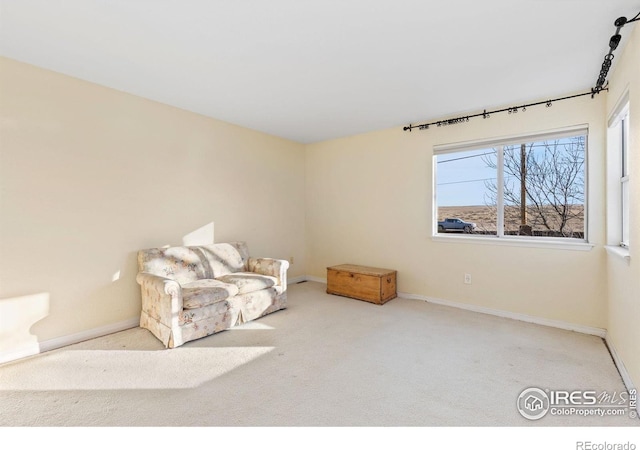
370, 284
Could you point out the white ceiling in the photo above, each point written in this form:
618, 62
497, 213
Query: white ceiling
311, 70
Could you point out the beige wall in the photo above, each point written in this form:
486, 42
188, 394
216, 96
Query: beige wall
623, 294
369, 201
89, 175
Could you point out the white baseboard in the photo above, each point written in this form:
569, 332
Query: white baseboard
63, 341
19, 353
600, 332
626, 378
316, 279
296, 280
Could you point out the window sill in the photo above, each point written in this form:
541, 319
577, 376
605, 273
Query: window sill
619, 252
560, 244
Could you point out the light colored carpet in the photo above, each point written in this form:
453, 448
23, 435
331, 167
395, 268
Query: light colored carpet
324, 361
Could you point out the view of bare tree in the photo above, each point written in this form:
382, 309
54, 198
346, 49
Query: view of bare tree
544, 181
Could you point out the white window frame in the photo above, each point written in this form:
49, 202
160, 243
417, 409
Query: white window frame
618, 179
624, 181
500, 238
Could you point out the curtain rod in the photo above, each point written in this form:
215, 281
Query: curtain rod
599, 87
512, 110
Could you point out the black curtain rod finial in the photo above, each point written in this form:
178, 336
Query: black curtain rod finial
620, 21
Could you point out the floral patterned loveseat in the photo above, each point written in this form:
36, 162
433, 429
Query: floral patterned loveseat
192, 292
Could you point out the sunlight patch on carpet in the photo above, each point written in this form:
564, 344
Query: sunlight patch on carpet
181, 368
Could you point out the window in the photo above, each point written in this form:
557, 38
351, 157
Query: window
624, 179
618, 175
531, 187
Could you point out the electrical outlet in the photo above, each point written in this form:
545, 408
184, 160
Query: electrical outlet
467, 278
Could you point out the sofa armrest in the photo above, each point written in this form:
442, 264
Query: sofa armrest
161, 297
272, 267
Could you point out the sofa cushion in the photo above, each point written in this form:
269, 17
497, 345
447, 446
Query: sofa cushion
182, 264
199, 293
225, 258
248, 281
187, 264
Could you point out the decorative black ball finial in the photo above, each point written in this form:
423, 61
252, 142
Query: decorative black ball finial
620, 21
